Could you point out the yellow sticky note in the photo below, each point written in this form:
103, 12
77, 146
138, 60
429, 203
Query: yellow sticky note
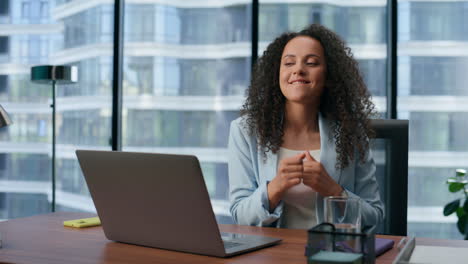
85, 222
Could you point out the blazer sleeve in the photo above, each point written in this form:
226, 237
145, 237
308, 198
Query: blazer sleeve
248, 197
366, 188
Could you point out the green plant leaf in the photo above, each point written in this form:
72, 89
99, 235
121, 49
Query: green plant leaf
460, 172
461, 224
451, 207
465, 206
460, 212
451, 179
456, 186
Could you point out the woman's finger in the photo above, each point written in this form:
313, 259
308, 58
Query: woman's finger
294, 160
309, 157
294, 175
294, 168
293, 181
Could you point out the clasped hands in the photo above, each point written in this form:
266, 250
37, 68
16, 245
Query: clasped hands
301, 167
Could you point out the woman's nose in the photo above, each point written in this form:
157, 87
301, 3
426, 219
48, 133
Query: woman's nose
299, 69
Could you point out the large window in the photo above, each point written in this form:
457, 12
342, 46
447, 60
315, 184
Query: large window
432, 89
438, 20
75, 37
84, 109
186, 68
438, 75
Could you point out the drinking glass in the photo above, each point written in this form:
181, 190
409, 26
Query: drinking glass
343, 212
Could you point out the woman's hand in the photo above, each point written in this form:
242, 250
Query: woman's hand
289, 174
316, 177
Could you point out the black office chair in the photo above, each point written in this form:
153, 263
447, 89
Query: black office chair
390, 149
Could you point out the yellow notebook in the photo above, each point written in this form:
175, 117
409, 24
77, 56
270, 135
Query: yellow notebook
85, 222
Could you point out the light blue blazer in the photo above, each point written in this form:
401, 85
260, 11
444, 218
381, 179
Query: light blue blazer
250, 172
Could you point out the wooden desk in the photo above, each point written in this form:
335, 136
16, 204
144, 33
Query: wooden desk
44, 239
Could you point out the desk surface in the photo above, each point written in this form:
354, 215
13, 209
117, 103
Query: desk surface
44, 239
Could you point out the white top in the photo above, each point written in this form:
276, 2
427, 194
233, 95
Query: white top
299, 201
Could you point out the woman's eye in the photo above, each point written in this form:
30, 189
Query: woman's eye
288, 63
312, 63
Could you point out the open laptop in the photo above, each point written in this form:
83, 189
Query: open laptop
159, 200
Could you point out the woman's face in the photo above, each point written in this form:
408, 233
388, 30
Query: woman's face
303, 70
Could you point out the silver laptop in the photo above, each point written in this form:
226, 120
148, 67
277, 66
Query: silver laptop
159, 200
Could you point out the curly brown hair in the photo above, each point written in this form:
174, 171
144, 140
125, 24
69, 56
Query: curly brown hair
345, 100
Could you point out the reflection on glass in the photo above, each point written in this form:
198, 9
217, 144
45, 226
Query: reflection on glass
432, 68
186, 68
63, 33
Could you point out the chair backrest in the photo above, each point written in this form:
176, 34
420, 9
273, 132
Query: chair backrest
391, 156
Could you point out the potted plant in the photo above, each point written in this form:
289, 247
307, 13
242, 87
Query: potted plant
458, 184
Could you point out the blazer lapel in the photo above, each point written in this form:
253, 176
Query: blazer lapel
327, 149
328, 160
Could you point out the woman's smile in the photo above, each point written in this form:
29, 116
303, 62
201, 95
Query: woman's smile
299, 81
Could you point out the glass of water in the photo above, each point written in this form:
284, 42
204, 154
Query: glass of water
343, 212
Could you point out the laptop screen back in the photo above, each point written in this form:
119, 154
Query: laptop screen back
156, 200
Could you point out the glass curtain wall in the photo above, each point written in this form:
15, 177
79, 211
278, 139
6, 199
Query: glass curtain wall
186, 68
432, 94
37, 32
26, 37
84, 110
362, 26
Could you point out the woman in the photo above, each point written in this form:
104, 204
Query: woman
303, 134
